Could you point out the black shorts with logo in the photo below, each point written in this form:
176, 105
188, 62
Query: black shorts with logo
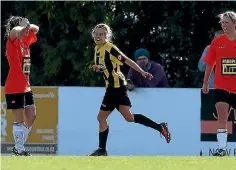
114, 97
225, 96
19, 100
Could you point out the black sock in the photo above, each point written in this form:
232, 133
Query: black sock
141, 119
103, 138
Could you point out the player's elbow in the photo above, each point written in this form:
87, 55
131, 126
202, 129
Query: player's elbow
15, 32
34, 28
201, 68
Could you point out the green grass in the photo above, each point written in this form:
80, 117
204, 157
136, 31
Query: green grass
116, 163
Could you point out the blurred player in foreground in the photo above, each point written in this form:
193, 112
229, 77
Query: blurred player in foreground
222, 55
20, 35
108, 59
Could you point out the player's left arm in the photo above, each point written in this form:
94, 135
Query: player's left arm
31, 37
34, 28
121, 58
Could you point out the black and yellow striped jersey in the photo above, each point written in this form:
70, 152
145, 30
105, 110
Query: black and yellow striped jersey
110, 58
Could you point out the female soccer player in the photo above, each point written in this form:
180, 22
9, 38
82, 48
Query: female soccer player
108, 59
222, 55
20, 35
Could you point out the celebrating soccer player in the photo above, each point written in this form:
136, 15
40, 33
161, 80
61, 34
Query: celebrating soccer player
222, 55
108, 59
20, 35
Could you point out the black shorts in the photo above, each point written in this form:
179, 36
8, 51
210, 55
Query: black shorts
225, 96
19, 100
114, 97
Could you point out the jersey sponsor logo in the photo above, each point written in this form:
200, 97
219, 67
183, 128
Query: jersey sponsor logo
26, 65
43, 137
228, 66
222, 46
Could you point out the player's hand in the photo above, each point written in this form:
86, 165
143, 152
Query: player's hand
130, 85
96, 68
205, 88
147, 75
26, 24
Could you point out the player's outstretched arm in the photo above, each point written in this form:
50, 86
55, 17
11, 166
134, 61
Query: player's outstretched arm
118, 55
136, 67
133, 65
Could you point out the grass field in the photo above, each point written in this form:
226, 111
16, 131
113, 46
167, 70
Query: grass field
116, 163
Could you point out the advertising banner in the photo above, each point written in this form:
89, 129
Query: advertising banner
43, 137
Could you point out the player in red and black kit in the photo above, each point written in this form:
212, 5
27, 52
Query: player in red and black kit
222, 55
20, 35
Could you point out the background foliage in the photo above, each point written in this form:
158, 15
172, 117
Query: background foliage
175, 33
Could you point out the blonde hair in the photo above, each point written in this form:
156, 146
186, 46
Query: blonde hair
107, 30
229, 14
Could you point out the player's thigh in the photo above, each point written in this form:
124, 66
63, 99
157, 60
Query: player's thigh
222, 101
123, 98
30, 109
107, 106
16, 103
124, 105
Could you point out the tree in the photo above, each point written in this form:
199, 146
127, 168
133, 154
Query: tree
175, 33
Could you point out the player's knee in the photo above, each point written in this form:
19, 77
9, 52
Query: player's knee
129, 118
30, 113
30, 121
101, 118
33, 118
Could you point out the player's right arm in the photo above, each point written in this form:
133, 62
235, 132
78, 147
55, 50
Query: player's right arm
18, 32
201, 63
210, 60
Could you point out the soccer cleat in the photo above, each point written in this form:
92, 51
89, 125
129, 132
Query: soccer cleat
220, 152
165, 131
14, 151
99, 152
23, 153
